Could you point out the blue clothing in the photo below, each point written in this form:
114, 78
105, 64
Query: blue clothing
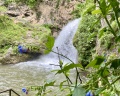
89, 94
21, 49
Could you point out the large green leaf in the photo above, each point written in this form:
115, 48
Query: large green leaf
115, 63
97, 61
70, 66
49, 44
79, 91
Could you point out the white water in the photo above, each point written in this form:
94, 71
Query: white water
33, 73
64, 45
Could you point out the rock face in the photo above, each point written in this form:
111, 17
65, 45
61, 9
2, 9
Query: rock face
49, 14
46, 12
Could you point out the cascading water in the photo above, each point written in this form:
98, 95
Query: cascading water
64, 45
33, 73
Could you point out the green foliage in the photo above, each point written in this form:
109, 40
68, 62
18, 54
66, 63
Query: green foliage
88, 30
106, 41
41, 33
102, 81
96, 62
3, 9
103, 70
10, 32
68, 67
49, 44
115, 63
83, 8
42, 90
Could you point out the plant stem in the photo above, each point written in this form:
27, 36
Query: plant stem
110, 26
112, 31
68, 79
70, 61
116, 17
115, 80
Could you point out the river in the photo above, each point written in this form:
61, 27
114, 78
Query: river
27, 74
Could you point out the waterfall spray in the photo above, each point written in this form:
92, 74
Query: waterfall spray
64, 43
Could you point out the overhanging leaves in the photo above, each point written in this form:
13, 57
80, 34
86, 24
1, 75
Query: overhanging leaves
49, 44
115, 63
71, 66
97, 61
104, 72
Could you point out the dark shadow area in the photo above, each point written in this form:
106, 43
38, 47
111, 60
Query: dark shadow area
33, 55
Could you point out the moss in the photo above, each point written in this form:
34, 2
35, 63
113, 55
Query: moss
9, 33
40, 34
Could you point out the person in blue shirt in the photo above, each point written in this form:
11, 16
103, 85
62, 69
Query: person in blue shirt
22, 50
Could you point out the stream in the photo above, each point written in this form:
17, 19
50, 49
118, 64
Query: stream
26, 74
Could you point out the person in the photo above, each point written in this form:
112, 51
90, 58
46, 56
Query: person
22, 50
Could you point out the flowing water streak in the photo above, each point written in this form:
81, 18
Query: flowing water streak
65, 45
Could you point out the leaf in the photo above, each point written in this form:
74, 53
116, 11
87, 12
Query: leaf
79, 91
70, 66
101, 32
118, 50
49, 44
104, 72
97, 61
88, 9
60, 62
97, 11
114, 4
103, 6
117, 39
61, 84
91, 36
49, 83
99, 90
115, 63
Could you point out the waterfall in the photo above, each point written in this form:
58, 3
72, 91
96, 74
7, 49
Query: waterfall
64, 45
